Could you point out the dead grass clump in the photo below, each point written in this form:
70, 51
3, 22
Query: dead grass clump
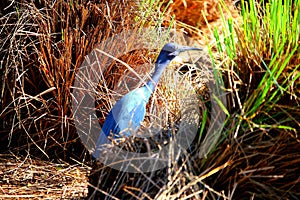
199, 18
43, 44
28, 178
263, 166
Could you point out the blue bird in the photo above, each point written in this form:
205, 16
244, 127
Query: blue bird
127, 114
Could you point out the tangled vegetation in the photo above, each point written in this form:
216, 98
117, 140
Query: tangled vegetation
253, 46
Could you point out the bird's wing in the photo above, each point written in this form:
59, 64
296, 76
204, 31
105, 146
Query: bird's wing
128, 112
110, 124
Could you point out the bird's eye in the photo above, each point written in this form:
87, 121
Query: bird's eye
174, 53
171, 56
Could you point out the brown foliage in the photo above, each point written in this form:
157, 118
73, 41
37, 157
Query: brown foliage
43, 45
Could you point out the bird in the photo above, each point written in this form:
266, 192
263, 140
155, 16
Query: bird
127, 114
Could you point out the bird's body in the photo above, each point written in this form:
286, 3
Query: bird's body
127, 114
123, 120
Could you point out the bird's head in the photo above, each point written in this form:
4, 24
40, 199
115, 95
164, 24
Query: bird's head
170, 51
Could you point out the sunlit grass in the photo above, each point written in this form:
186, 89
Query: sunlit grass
267, 43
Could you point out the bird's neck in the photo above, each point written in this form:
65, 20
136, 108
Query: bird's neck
159, 69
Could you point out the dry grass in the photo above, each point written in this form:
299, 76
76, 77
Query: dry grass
42, 45
262, 166
45, 45
199, 18
27, 178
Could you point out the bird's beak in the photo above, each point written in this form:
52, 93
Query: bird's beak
185, 48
